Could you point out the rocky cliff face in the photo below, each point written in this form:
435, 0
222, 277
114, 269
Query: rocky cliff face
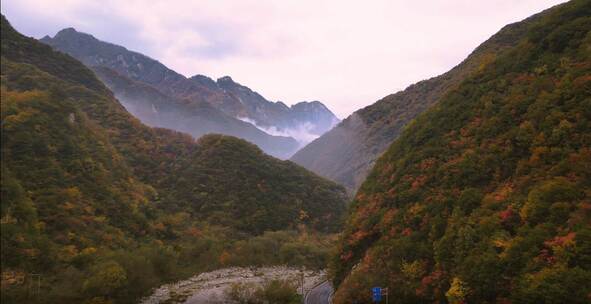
235, 101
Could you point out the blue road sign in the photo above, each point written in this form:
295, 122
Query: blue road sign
376, 294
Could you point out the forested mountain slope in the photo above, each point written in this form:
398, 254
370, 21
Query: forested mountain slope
105, 208
347, 153
486, 197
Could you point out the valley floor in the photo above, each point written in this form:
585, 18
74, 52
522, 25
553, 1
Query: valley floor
210, 287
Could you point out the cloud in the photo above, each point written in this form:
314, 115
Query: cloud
347, 54
303, 133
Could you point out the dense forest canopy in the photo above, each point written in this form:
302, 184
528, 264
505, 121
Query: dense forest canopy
485, 198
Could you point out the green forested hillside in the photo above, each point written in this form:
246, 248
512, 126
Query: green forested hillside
486, 198
103, 208
257, 182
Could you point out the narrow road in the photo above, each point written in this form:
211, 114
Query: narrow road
319, 294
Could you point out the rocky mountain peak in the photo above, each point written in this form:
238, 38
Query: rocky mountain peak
204, 81
282, 105
71, 34
68, 30
310, 105
225, 80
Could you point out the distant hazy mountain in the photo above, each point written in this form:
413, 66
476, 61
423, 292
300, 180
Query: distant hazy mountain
348, 152
197, 118
188, 96
301, 119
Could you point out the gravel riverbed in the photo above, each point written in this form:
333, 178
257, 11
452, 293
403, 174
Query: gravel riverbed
210, 287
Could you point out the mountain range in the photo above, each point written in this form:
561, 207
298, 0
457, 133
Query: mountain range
198, 105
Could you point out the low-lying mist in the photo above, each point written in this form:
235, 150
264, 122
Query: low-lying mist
303, 133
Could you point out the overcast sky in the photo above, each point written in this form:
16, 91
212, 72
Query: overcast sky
347, 54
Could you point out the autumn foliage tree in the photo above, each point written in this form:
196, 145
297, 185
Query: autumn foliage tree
485, 198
